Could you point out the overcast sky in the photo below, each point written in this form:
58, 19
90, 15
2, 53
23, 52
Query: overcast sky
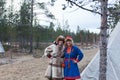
75, 16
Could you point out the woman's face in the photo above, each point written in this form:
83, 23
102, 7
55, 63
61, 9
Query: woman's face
69, 43
60, 43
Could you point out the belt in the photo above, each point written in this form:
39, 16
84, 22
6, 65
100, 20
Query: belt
70, 59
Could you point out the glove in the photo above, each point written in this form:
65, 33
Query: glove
49, 56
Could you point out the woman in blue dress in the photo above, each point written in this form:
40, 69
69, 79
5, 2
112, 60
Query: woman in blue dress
72, 56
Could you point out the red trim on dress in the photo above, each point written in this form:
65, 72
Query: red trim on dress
77, 77
69, 79
68, 49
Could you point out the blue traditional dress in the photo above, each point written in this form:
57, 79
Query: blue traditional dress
71, 70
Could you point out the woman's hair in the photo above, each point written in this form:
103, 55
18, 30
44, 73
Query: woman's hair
60, 38
68, 38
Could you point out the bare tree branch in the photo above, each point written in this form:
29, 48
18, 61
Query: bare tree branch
83, 7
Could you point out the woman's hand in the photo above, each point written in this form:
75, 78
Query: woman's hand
75, 61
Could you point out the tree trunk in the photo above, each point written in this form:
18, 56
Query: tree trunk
81, 39
103, 39
31, 35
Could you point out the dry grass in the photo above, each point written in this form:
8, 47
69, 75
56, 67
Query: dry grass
29, 68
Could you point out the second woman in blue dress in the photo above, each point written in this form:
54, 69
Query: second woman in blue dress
72, 56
